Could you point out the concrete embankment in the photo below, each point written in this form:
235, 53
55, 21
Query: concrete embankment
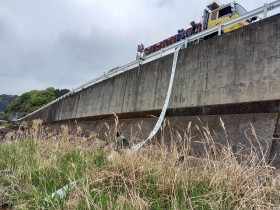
245, 133
239, 67
236, 76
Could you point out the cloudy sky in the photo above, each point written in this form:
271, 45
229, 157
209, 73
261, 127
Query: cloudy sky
65, 43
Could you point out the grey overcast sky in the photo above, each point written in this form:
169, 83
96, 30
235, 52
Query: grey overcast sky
65, 43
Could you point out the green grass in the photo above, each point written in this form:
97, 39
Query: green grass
6, 124
38, 170
136, 181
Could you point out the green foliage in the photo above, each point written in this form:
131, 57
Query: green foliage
100, 159
26, 159
4, 116
5, 100
149, 188
6, 124
129, 182
34, 99
61, 92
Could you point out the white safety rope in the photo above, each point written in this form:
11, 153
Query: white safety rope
165, 105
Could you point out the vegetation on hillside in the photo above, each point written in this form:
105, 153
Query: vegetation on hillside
5, 100
4, 116
34, 99
152, 178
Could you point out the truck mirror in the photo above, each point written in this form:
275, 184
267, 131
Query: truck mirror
254, 18
232, 7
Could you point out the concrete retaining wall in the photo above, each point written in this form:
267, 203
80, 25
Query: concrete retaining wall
244, 134
241, 66
235, 76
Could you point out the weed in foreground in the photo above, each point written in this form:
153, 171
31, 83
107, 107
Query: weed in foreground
150, 179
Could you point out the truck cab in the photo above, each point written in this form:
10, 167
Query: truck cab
218, 14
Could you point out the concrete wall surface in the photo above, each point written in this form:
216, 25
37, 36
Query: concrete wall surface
244, 134
234, 77
237, 67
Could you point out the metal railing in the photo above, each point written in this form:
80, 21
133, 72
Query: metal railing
165, 51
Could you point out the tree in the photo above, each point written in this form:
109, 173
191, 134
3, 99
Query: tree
34, 99
61, 92
4, 116
5, 100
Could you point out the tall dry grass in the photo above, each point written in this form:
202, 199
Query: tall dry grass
155, 177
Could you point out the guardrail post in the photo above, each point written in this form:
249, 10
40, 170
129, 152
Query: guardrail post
186, 42
265, 11
220, 30
140, 61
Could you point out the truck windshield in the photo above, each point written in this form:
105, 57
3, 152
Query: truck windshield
240, 10
225, 11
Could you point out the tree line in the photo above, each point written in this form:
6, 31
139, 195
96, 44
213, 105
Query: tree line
12, 106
